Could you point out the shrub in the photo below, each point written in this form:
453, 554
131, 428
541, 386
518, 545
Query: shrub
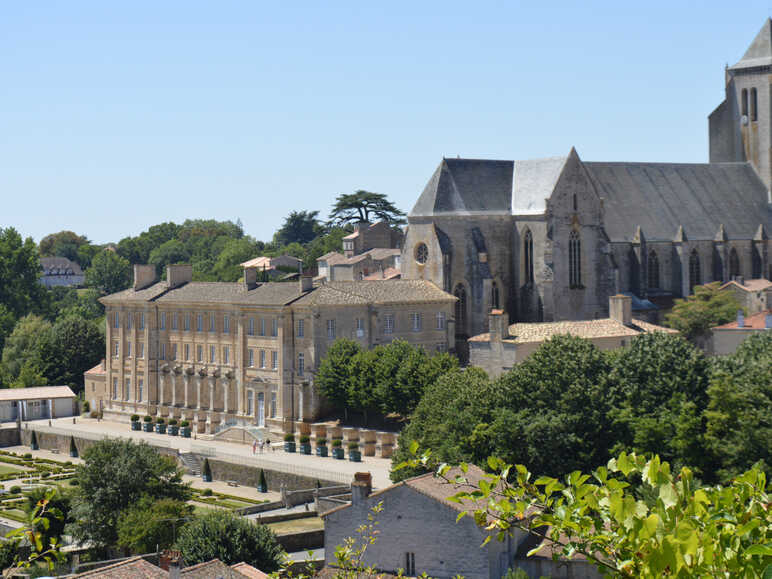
27, 454
94, 414
289, 437
206, 470
148, 418
305, 439
184, 424
173, 422
262, 482
15, 489
135, 418
86, 406
337, 442
74, 482
207, 492
321, 441
33, 440
45, 474
159, 420
353, 445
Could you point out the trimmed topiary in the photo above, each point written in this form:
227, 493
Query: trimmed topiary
262, 485
148, 418
206, 471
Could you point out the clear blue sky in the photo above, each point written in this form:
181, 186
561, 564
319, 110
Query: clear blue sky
117, 116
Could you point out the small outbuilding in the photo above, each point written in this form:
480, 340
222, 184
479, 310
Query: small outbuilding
37, 402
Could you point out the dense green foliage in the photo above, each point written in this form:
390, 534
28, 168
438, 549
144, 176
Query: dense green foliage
59, 502
115, 476
570, 406
109, 272
705, 308
68, 244
364, 206
387, 379
298, 227
232, 539
152, 524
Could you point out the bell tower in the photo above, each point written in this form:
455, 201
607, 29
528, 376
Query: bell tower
741, 127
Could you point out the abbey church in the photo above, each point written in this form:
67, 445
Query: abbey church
552, 239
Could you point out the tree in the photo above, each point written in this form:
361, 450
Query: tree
72, 346
58, 502
232, 539
20, 291
60, 244
333, 377
707, 307
115, 475
298, 227
680, 530
659, 384
359, 207
152, 525
109, 273
227, 266
21, 347
7, 323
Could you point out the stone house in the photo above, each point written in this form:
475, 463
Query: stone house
368, 236
94, 386
726, 338
419, 532
217, 354
753, 295
551, 239
37, 402
60, 271
367, 265
503, 346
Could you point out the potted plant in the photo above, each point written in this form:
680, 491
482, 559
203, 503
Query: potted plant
160, 425
147, 425
185, 429
354, 454
337, 448
305, 444
173, 429
206, 471
73, 448
262, 485
33, 441
321, 447
289, 442
135, 422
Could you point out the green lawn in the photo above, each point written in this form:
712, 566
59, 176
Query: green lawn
297, 526
8, 468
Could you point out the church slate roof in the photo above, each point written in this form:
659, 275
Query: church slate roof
535, 180
467, 186
660, 197
759, 53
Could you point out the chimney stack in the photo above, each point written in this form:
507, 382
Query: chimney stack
621, 309
361, 487
177, 275
306, 283
144, 276
250, 278
498, 325
740, 319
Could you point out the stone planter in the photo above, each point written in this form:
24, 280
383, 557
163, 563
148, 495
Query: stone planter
337, 452
305, 448
289, 447
355, 456
321, 450
185, 431
160, 428
147, 427
135, 425
172, 430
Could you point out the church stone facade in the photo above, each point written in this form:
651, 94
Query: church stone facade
552, 239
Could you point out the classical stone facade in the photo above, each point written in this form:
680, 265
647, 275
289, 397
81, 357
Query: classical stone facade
245, 353
552, 239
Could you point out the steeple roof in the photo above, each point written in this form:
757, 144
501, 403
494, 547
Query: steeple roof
759, 53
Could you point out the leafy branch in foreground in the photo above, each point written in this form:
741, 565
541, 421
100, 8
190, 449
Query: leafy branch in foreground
633, 518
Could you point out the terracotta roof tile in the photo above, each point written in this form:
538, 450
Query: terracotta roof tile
754, 322
249, 571
133, 568
750, 285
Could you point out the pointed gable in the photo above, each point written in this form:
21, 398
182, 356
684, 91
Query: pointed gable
759, 53
535, 181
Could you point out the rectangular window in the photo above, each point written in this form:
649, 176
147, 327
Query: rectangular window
187, 322
199, 323
251, 356
301, 328
117, 320
416, 320
274, 327
115, 388
141, 321
226, 324
212, 354
140, 388
128, 320
360, 327
226, 355
174, 351
163, 351
410, 564
212, 322
301, 363
115, 350
273, 404
440, 320
251, 327
262, 326
175, 321
140, 349
187, 352
388, 323
262, 358
274, 360
331, 329
199, 353
128, 349
127, 389
250, 402
162, 321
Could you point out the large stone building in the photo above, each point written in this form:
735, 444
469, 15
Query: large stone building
217, 354
552, 239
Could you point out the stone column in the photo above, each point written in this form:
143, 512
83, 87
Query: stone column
212, 381
161, 381
174, 389
186, 383
199, 379
239, 396
226, 389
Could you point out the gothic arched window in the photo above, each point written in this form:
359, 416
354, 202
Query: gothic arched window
574, 260
528, 256
652, 267
695, 275
495, 296
734, 264
460, 293
756, 263
744, 102
754, 105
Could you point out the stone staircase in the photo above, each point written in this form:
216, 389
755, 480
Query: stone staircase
191, 462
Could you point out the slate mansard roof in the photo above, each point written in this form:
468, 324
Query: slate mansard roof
658, 197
